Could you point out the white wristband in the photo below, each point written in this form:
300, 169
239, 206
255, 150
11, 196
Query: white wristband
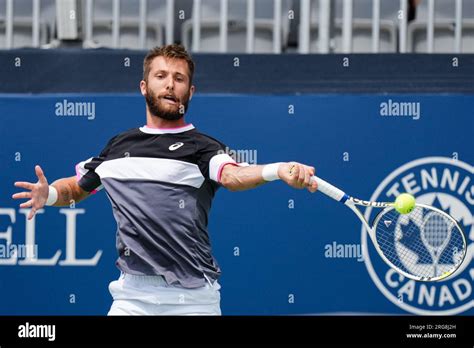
270, 172
52, 196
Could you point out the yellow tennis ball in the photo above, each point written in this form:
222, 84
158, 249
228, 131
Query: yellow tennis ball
405, 203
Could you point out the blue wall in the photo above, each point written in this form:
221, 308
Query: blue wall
273, 243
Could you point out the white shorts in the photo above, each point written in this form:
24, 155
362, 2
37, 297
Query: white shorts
151, 295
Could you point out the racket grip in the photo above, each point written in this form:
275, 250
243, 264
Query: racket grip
330, 190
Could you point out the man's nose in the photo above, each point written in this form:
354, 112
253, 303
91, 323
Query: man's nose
170, 83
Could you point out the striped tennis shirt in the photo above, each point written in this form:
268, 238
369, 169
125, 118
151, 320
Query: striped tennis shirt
161, 183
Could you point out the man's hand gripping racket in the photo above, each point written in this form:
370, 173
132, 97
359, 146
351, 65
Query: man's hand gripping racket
425, 244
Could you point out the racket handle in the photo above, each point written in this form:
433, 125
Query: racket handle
330, 190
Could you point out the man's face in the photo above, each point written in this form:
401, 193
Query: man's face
167, 91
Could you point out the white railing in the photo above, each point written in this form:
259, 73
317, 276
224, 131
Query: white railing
115, 23
347, 27
36, 23
458, 26
250, 43
304, 29
430, 26
9, 24
322, 21
375, 26
142, 22
250, 20
403, 26
196, 25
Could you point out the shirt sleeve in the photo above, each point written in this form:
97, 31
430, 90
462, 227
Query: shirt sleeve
213, 157
86, 176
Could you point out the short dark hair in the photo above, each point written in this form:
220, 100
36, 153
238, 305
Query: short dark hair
174, 51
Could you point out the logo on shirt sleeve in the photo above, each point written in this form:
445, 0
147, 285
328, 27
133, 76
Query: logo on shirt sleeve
175, 146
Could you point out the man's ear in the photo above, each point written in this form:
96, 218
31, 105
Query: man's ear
191, 92
143, 87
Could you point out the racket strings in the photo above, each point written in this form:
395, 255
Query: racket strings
424, 243
435, 231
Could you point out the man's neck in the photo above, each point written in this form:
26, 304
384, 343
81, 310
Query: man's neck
158, 122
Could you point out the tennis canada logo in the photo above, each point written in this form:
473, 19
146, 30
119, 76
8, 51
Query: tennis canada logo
447, 184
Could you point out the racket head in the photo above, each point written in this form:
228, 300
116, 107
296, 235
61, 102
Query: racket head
425, 245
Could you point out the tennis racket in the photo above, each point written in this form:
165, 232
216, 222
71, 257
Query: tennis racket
426, 244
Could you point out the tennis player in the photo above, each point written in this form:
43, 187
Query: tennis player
161, 179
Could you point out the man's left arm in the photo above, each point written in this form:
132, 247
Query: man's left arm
297, 175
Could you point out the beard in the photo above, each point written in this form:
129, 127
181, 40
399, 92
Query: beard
158, 108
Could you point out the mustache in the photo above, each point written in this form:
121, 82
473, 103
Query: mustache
169, 96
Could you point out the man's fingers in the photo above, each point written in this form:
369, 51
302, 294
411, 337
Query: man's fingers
22, 195
313, 183
28, 204
290, 170
307, 177
301, 175
313, 187
40, 174
32, 213
294, 172
25, 185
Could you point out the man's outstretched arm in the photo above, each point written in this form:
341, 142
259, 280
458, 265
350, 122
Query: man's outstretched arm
295, 174
39, 194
